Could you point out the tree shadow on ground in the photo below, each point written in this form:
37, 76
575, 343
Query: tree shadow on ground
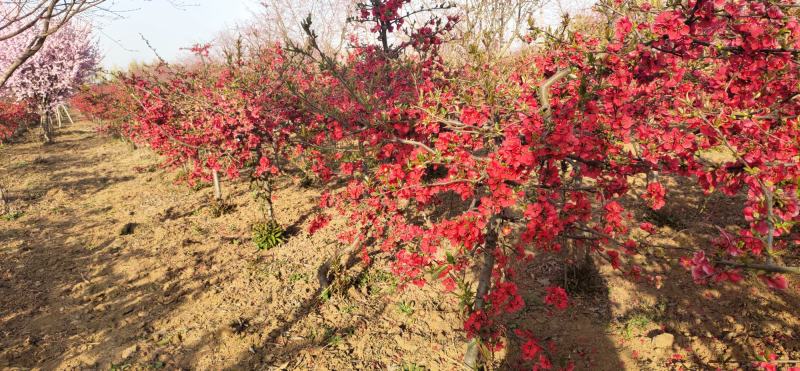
71, 297
715, 325
617, 325
58, 287
579, 335
285, 343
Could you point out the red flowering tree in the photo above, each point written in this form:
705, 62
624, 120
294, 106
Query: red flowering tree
107, 103
220, 119
453, 168
707, 77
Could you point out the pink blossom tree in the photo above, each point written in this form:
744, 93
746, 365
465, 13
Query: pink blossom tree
35, 21
67, 59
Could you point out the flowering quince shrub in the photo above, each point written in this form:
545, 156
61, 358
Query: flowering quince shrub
12, 116
448, 172
108, 103
715, 77
230, 119
450, 169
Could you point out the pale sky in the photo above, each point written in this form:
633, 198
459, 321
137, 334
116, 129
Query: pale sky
169, 25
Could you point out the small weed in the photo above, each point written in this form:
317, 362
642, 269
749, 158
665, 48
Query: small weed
12, 215
329, 333
335, 278
325, 295
348, 309
294, 277
20, 165
32, 184
200, 185
637, 322
164, 341
377, 280
198, 229
406, 307
272, 268
59, 210
268, 235
661, 308
120, 367
334, 336
334, 340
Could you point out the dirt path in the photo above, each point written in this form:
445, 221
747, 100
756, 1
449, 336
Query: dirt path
179, 288
75, 291
106, 262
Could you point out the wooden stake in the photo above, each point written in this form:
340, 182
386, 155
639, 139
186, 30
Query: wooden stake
50, 126
58, 117
217, 186
68, 115
3, 202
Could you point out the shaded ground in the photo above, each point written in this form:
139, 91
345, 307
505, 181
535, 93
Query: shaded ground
183, 289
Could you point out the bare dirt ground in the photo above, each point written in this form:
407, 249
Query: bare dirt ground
106, 263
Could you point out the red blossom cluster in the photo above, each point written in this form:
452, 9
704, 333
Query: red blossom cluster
12, 115
108, 103
450, 169
549, 146
232, 119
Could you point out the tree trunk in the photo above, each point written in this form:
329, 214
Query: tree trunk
58, 117
3, 202
268, 200
50, 126
217, 187
47, 134
484, 284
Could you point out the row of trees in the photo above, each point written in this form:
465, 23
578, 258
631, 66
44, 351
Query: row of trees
461, 169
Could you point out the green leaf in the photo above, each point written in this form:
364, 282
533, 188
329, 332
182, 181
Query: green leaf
450, 258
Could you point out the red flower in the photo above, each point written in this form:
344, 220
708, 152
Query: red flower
655, 195
775, 281
557, 297
319, 222
449, 284
623, 27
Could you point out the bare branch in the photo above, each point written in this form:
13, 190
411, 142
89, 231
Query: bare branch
761, 267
